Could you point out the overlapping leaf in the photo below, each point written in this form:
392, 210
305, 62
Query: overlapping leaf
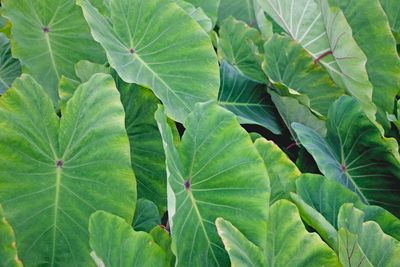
55, 173
8, 246
216, 171
240, 9
10, 67
146, 215
197, 14
210, 7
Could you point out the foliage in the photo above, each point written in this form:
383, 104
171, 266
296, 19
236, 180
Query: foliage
199, 133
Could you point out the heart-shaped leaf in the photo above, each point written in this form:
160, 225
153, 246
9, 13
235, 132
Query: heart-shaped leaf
178, 62
146, 215
215, 163
56, 172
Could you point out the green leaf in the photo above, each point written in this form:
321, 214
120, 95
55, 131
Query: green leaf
355, 154
210, 7
282, 171
326, 35
241, 251
247, 99
146, 215
8, 247
289, 243
117, 244
367, 19
291, 110
49, 37
236, 44
364, 243
240, 9
66, 89
287, 64
10, 67
197, 14
392, 10
56, 172
178, 62
84, 70
163, 239
215, 163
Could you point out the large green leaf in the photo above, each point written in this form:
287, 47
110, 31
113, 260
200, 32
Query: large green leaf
10, 67
363, 243
8, 247
326, 35
210, 7
355, 154
287, 64
156, 44
239, 9
163, 239
247, 99
367, 19
117, 244
215, 172
146, 215
49, 37
56, 172
392, 10
282, 171
242, 252
197, 14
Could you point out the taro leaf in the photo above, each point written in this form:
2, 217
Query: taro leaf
117, 244
355, 154
240, 9
66, 89
178, 63
291, 110
364, 243
367, 19
392, 10
247, 99
56, 172
10, 67
84, 70
287, 64
236, 46
210, 7
242, 252
163, 239
8, 249
49, 37
146, 215
215, 163
282, 171
265, 26
396, 119
327, 196
325, 34
197, 14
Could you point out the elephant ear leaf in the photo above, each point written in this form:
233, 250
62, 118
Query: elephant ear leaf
8, 247
49, 37
115, 243
10, 68
215, 162
197, 14
81, 160
178, 63
355, 154
146, 215
364, 243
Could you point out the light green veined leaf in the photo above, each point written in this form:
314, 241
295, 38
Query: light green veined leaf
287, 64
146, 215
84, 70
8, 246
215, 163
236, 46
326, 35
49, 37
263, 24
282, 171
242, 252
197, 14
56, 172
117, 244
178, 63
163, 239
239, 9
210, 7
363, 243
66, 89
367, 19
10, 67
247, 99
355, 154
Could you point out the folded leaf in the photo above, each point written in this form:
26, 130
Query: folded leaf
163, 239
355, 154
178, 62
8, 246
10, 67
197, 14
56, 172
216, 171
117, 244
210, 7
247, 99
49, 37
